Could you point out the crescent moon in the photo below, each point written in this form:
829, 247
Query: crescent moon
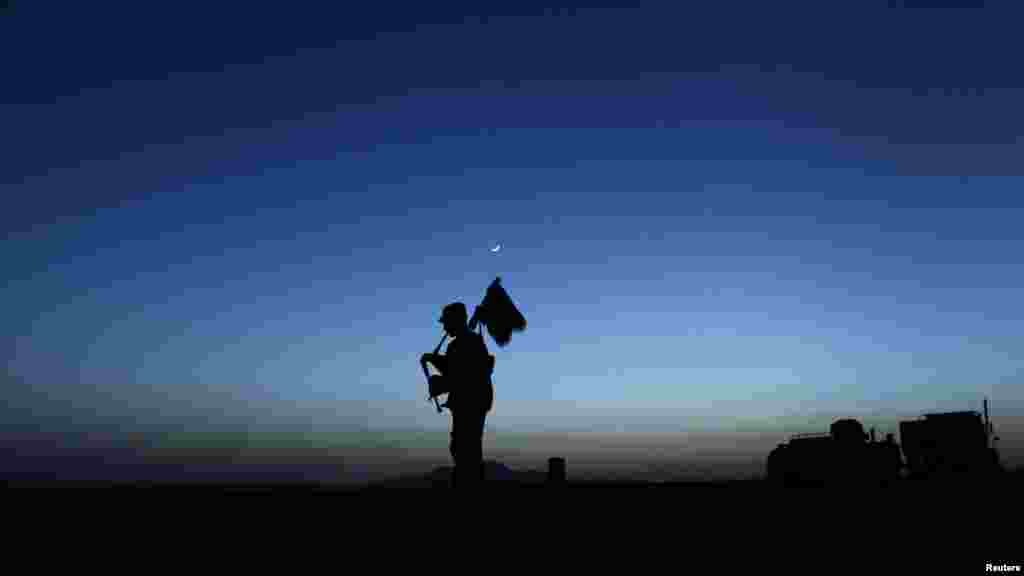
497, 248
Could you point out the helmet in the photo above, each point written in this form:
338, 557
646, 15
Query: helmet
456, 311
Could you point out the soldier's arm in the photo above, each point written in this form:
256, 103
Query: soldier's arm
441, 363
438, 360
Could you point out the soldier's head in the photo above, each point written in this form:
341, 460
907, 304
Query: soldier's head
454, 318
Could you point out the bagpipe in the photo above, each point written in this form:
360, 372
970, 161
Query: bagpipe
437, 384
499, 314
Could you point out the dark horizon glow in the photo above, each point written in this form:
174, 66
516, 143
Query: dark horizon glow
249, 221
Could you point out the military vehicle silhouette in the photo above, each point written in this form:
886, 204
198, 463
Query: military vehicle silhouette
938, 446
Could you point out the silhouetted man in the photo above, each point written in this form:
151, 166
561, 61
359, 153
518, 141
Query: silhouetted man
467, 368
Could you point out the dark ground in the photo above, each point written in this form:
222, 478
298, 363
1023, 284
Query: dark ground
1010, 480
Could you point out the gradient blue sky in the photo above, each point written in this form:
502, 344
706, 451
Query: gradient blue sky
224, 220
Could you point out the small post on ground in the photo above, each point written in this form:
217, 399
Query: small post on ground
556, 471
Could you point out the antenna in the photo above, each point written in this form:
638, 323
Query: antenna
988, 423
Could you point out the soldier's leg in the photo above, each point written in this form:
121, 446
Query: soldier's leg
468, 447
451, 439
480, 443
474, 443
462, 448
453, 448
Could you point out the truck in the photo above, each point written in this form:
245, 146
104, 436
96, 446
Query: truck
950, 446
844, 456
958, 445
